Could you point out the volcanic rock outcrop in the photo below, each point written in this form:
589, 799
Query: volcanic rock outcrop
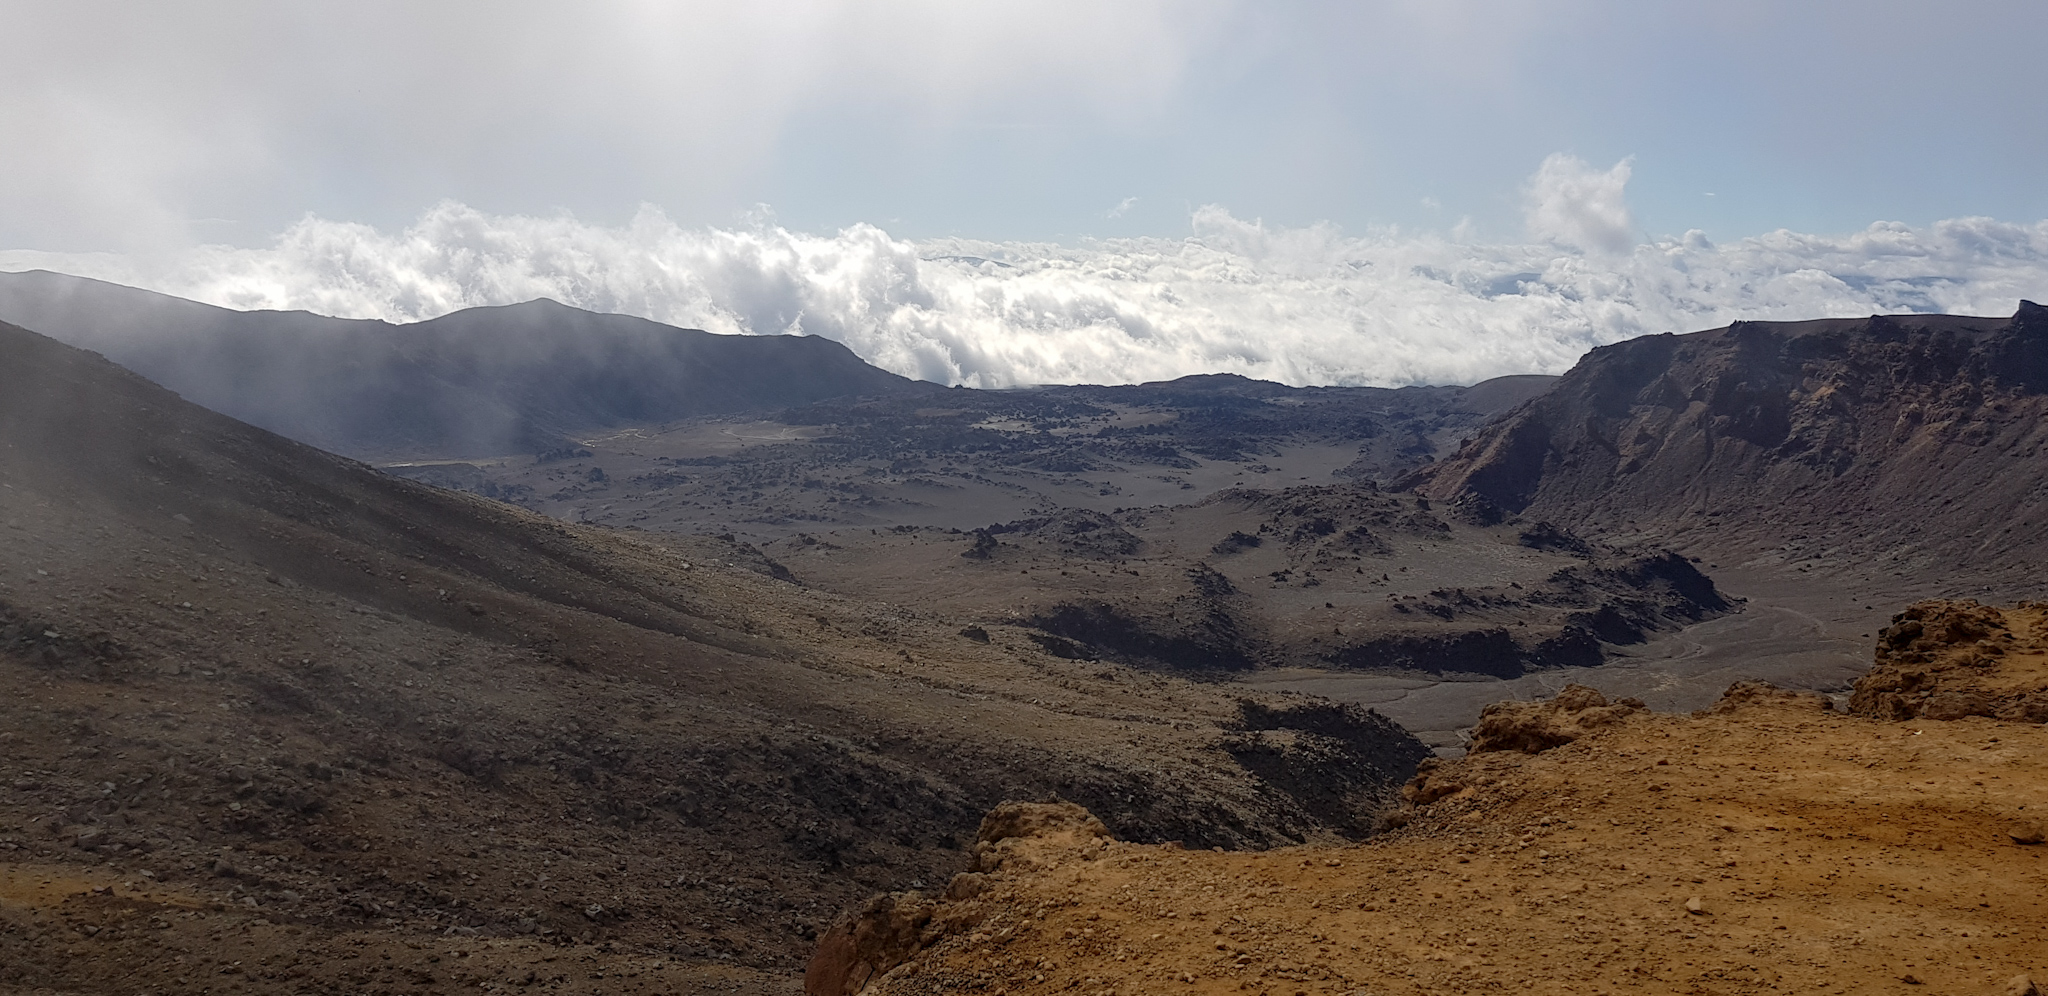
1339, 577
892, 928
1534, 727
1950, 659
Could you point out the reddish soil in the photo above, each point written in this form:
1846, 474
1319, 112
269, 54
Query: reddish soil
1767, 844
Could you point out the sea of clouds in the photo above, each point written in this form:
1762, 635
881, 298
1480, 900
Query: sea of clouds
1302, 306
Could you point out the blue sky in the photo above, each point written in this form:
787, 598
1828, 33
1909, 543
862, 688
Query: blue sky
1812, 116
133, 124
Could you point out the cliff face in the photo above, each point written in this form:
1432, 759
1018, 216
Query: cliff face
1916, 438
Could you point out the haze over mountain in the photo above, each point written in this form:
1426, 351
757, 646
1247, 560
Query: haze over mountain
480, 382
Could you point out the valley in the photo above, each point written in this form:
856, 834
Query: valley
573, 688
273, 688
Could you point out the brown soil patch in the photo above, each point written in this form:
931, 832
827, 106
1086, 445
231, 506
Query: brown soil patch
1949, 659
1764, 846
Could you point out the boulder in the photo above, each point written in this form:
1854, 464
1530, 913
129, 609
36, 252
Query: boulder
1744, 694
883, 935
1947, 659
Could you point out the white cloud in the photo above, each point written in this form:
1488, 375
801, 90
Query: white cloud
1123, 207
1573, 204
1299, 305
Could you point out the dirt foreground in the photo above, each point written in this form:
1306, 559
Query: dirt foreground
1767, 844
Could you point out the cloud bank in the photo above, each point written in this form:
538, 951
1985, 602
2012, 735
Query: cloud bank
1298, 305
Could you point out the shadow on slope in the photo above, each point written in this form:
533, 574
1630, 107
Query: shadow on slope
386, 708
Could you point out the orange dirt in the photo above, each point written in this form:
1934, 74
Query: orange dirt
1764, 845
1946, 660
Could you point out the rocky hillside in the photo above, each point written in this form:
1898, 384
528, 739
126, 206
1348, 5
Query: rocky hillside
1766, 844
1897, 446
478, 382
308, 725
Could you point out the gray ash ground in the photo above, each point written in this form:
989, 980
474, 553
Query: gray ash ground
964, 459
1219, 527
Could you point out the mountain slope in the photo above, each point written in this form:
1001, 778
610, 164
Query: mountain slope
477, 382
245, 673
1890, 446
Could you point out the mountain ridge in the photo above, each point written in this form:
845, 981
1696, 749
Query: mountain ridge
1908, 441
477, 382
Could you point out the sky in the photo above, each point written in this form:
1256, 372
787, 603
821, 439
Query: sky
1360, 192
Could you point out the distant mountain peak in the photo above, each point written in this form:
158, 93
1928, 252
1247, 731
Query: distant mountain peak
476, 382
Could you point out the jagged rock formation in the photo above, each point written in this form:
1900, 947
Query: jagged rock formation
1896, 443
893, 927
1950, 659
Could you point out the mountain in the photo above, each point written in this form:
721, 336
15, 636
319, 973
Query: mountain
479, 382
270, 707
1885, 448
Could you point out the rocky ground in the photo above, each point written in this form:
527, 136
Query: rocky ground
963, 459
1339, 578
682, 692
1211, 525
279, 723
1767, 844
